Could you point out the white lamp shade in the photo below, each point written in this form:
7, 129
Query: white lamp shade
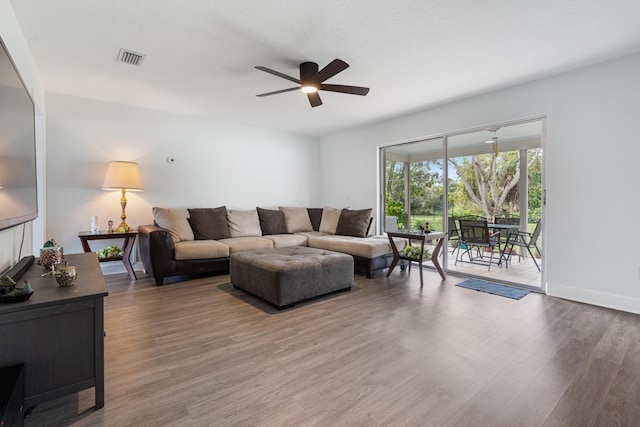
122, 175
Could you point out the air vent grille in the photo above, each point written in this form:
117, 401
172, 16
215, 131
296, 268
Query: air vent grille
129, 57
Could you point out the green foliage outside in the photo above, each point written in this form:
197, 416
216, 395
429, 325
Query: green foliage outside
435, 222
395, 208
425, 187
483, 185
495, 177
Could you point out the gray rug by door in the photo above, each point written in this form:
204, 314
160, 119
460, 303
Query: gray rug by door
494, 288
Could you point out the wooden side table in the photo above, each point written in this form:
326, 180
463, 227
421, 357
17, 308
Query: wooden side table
129, 239
420, 237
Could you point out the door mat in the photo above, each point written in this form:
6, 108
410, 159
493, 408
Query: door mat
494, 288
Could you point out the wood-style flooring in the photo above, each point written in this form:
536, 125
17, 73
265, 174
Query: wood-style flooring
387, 353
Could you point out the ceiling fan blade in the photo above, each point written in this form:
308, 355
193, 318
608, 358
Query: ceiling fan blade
352, 90
279, 91
333, 68
277, 73
314, 99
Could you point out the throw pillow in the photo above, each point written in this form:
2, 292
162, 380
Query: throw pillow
296, 219
271, 221
175, 221
329, 222
354, 222
244, 223
315, 215
209, 223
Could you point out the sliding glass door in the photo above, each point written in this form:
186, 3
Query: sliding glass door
492, 174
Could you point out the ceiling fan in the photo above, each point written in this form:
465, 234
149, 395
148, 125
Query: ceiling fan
311, 81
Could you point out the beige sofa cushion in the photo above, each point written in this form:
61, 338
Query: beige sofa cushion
329, 221
174, 220
366, 247
296, 219
287, 240
313, 234
200, 249
241, 244
244, 223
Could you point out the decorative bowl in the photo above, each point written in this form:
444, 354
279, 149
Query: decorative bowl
11, 298
65, 276
9, 293
6, 289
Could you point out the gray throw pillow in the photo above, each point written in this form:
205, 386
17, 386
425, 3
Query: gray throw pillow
209, 223
272, 221
354, 222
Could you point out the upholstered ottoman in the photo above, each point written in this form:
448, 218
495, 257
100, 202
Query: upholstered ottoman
284, 276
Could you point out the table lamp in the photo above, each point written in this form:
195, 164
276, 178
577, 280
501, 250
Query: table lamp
123, 176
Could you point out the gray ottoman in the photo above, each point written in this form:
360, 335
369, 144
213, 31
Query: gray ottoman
285, 276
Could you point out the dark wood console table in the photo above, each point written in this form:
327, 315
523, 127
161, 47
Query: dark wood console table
58, 334
129, 239
420, 237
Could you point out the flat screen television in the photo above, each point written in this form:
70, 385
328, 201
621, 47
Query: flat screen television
18, 192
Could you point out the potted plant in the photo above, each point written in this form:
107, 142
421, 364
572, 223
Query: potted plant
413, 252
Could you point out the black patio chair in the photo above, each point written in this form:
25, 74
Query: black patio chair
454, 234
524, 239
475, 234
507, 221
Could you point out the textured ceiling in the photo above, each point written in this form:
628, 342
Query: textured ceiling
412, 54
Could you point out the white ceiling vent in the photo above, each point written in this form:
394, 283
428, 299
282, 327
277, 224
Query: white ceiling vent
129, 57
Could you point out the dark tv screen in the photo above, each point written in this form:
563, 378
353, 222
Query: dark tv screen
18, 193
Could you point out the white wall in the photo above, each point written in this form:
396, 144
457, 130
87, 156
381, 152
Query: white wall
11, 239
592, 153
216, 163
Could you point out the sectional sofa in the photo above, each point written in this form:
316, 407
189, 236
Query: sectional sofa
201, 240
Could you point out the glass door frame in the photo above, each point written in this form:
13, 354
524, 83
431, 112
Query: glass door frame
381, 158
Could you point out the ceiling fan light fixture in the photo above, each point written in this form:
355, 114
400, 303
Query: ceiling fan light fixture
312, 80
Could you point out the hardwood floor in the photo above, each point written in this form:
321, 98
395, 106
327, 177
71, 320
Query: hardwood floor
387, 353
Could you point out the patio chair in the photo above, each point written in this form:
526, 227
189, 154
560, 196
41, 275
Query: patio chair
524, 239
475, 235
507, 221
454, 234
510, 221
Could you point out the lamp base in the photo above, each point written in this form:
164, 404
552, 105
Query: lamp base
122, 228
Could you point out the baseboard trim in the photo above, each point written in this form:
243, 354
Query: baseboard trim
117, 268
602, 299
